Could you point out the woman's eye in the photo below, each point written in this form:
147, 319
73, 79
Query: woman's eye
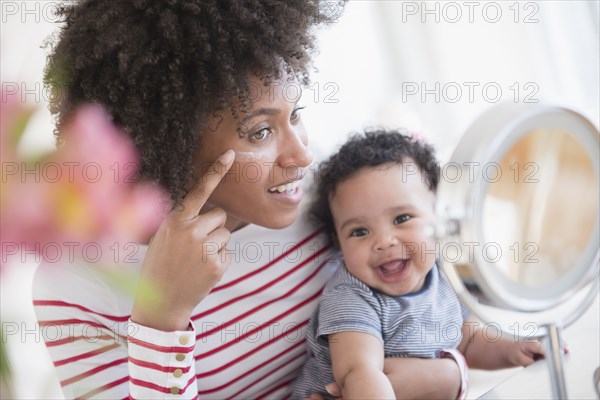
261, 134
359, 232
401, 218
296, 114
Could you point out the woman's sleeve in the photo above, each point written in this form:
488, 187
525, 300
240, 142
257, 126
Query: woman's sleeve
98, 352
161, 364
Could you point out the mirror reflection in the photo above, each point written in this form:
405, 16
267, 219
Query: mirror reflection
530, 213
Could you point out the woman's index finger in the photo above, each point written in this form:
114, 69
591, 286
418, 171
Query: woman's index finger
193, 202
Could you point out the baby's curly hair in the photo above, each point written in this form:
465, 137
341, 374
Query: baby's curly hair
163, 67
370, 149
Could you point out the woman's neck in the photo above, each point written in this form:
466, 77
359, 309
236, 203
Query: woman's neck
232, 223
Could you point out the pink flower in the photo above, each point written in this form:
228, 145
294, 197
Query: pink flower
85, 191
419, 137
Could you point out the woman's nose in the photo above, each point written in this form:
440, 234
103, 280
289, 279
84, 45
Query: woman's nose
295, 152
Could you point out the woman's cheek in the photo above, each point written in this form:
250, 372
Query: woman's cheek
248, 156
248, 167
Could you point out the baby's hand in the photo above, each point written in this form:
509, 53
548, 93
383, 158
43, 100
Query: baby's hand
526, 353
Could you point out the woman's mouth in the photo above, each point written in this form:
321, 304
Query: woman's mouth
285, 188
289, 193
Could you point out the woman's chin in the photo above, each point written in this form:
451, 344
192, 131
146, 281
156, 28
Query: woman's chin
271, 219
279, 221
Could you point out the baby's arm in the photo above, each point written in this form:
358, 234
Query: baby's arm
357, 360
484, 352
423, 378
412, 378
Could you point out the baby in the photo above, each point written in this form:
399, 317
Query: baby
375, 198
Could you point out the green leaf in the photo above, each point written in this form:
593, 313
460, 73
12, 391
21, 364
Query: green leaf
4, 364
15, 132
130, 284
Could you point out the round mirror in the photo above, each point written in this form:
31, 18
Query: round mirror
530, 212
518, 208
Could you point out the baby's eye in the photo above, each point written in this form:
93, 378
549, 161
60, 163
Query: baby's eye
359, 232
260, 135
296, 114
401, 218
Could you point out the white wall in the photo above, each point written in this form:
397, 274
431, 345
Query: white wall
379, 50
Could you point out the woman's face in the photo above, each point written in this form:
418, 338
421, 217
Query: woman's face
263, 185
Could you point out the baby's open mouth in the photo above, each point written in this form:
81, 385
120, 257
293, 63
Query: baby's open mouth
393, 267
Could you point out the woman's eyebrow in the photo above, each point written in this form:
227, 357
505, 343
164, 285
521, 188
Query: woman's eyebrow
260, 111
263, 111
257, 112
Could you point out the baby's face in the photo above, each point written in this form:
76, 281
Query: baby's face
381, 215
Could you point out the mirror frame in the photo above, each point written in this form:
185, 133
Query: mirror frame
460, 204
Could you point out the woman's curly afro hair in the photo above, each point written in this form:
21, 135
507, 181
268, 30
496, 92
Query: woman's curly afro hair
373, 148
161, 67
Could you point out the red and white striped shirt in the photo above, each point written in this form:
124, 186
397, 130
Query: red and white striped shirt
246, 339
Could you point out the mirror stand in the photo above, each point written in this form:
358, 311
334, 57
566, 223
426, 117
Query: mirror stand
555, 359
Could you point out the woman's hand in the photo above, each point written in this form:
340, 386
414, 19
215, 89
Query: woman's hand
185, 259
333, 389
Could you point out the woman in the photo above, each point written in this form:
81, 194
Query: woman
233, 272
